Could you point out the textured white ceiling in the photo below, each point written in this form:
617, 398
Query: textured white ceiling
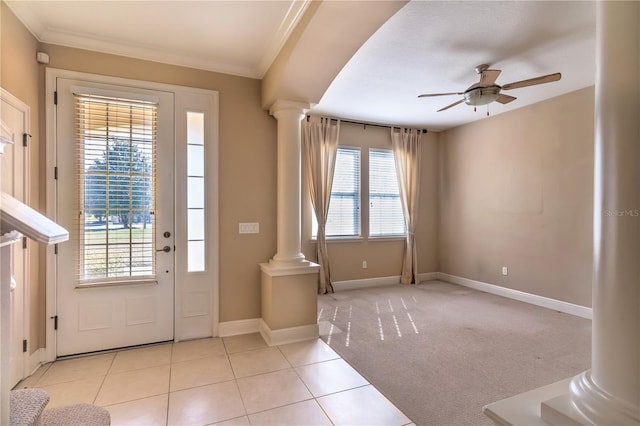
426, 47
433, 47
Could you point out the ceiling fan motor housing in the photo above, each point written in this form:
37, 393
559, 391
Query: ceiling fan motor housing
481, 95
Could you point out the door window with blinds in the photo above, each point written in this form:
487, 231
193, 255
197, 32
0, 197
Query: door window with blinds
116, 140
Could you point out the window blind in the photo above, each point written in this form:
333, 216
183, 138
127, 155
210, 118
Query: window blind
116, 150
343, 219
385, 211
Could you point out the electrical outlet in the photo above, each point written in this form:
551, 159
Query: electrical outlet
364, 264
505, 271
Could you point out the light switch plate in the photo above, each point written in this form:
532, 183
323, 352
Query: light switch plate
249, 228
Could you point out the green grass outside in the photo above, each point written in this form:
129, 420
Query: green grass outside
130, 252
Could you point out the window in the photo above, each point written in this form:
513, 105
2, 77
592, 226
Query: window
386, 218
116, 163
385, 210
344, 210
195, 192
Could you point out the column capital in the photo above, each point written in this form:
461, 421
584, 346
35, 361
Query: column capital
281, 105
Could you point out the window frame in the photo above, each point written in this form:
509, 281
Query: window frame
87, 140
356, 196
365, 232
395, 196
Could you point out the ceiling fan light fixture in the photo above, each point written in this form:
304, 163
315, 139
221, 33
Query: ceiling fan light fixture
486, 90
481, 95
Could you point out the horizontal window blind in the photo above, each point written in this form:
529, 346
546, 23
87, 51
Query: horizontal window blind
116, 146
385, 211
344, 209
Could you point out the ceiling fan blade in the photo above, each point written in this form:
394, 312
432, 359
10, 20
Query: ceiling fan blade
488, 77
429, 95
533, 81
505, 99
452, 105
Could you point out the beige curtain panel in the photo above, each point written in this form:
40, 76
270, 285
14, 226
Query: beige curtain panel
321, 145
406, 152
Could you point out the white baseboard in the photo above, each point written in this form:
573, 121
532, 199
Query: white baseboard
534, 299
379, 281
288, 335
363, 283
36, 359
427, 276
233, 328
296, 334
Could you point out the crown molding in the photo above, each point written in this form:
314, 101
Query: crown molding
289, 22
57, 36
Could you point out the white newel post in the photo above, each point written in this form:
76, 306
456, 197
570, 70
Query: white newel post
5, 315
610, 392
289, 281
5, 321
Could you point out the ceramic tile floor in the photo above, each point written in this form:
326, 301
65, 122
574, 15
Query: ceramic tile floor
235, 380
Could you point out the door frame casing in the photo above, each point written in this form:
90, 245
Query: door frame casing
51, 75
23, 107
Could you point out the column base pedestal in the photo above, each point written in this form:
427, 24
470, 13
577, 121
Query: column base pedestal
569, 402
289, 302
525, 409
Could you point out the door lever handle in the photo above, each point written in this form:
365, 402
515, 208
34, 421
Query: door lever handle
165, 249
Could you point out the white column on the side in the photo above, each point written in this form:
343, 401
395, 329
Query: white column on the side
610, 392
289, 115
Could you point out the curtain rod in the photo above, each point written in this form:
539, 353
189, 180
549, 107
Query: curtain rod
362, 123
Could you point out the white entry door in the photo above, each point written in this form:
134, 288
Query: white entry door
13, 127
115, 180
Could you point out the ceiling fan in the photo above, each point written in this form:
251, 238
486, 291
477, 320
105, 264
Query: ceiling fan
486, 90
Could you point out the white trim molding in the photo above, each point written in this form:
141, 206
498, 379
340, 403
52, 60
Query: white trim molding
427, 276
288, 335
379, 281
534, 299
36, 359
234, 328
51, 77
364, 283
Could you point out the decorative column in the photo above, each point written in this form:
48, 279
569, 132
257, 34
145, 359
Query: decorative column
610, 392
289, 115
289, 281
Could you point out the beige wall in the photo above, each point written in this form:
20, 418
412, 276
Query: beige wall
384, 257
289, 301
20, 75
516, 190
247, 157
247, 175
512, 190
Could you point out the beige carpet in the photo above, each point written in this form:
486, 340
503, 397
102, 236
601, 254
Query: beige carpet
440, 351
